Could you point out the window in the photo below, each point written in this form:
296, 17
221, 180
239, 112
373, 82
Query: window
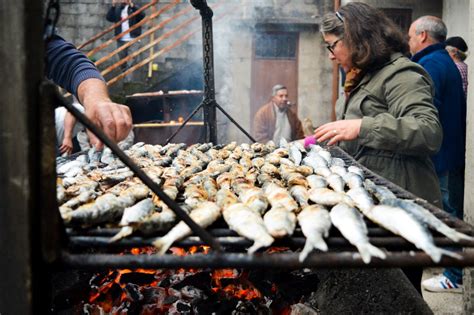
276, 45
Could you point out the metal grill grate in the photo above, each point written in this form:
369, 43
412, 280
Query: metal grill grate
400, 253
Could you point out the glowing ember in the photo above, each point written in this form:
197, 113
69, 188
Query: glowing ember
112, 289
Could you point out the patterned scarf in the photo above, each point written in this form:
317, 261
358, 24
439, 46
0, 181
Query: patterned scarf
353, 77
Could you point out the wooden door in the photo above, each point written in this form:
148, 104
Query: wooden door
274, 62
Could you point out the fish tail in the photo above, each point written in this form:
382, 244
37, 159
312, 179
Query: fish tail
315, 242
449, 253
367, 251
453, 234
259, 244
124, 232
163, 244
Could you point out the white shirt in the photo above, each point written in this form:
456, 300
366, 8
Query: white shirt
125, 25
282, 125
59, 115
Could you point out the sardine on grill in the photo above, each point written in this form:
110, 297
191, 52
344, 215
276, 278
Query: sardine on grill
280, 222
204, 215
336, 182
132, 216
301, 195
249, 224
255, 199
400, 222
280, 197
328, 197
428, 218
315, 224
351, 224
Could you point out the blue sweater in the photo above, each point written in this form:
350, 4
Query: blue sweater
67, 66
450, 101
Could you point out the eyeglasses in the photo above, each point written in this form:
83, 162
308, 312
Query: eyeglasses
331, 47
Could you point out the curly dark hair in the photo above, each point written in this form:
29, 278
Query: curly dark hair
370, 35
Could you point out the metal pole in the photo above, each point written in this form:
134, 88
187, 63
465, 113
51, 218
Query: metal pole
210, 117
260, 260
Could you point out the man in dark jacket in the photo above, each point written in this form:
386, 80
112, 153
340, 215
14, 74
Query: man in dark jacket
276, 119
120, 10
426, 39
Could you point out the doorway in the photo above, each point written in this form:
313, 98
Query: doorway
275, 61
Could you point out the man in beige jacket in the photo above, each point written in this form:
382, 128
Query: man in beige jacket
276, 119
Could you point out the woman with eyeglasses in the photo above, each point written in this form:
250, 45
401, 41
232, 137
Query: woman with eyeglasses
386, 118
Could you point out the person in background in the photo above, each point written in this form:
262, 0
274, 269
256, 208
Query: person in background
67, 128
457, 49
276, 119
426, 39
386, 118
120, 10
72, 70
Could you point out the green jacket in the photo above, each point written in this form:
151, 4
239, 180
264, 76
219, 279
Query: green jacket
400, 127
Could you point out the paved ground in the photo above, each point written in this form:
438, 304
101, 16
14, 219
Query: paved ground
442, 303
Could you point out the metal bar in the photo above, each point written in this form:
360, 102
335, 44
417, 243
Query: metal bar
257, 261
183, 124
111, 28
235, 122
296, 242
205, 236
372, 232
210, 117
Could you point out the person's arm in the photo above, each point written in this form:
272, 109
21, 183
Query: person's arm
434, 69
114, 119
410, 126
72, 70
111, 16
69, 122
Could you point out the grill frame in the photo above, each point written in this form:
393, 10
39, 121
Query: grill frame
341, 254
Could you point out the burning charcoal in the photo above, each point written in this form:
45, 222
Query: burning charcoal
244, 307
215, 306
191, 292
89, 309
140, 278
154, 295
199, 280
302, 309
170, 299
180, 308
133, 292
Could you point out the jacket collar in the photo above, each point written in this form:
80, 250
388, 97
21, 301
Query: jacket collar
428, 50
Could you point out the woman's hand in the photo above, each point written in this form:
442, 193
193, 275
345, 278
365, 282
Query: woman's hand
341, 130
